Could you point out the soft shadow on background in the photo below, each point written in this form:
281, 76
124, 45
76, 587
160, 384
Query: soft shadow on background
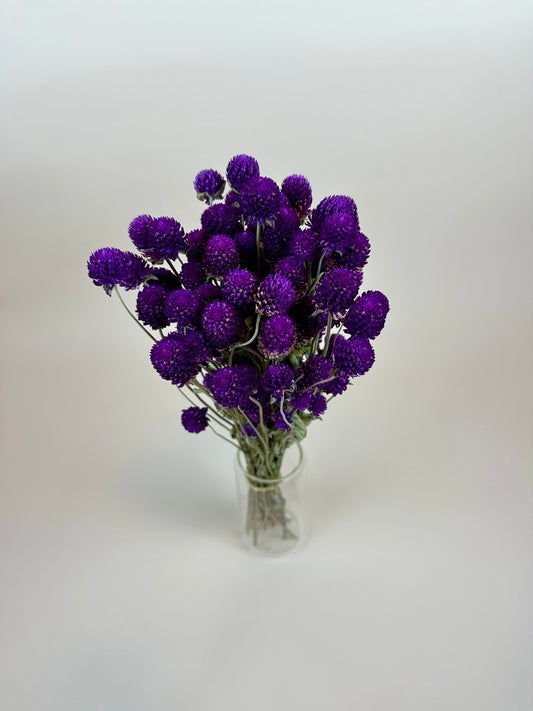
124, 582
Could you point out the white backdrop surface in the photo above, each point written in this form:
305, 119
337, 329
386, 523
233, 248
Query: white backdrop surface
125, 586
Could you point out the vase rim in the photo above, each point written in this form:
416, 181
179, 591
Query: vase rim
280, 479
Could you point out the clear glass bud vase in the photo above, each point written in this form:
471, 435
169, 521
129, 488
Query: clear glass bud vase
273, 511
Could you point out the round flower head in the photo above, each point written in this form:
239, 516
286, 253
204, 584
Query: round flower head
337, 231
298, 191
357, 251
221, 324
238, 288
141, 232
333, 205
337, 290
194, 419
295, 270
208, 292
232, 386
366, 317
196, 240
110, 266
276, 237
316, 370
259, 200
166, 239
221, 219
177, 357
302, 401
192, 274
336, 386
282, 423
220, 255
241, 169
318, 405
277, 378
353, 356
151, 302
183, 308
277, 337
304, 245
165, 278
274, 295
209, 185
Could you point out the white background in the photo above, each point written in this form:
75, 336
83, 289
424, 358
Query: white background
125, 586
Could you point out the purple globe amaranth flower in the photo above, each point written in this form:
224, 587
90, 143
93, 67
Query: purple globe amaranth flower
221, 324
109, 267
366, 317
277, 236
177, 357
356, 252
304, 245
277, 378
337, 290
192, 274
274, 295
302, 401
238, 288
336, 386
337, 232
164, 238
241, 169
353, 356
209, 184
151, 302
277, 336
141, 232
209, 292
221, 219
318, 405
220, 255
317, 369
164, 277
259, 200
282, 423
294, 270
299, 194
232, 386
196, 240
194, 419
183, 308
333, 205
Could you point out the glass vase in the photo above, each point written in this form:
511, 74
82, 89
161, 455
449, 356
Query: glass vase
272, 511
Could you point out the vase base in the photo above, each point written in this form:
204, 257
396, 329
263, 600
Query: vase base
274, 539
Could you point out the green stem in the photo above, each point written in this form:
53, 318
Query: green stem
133, 316
281, 409
246, 343
222, 436
215, 414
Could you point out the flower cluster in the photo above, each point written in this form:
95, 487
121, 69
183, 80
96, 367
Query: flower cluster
257, 310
